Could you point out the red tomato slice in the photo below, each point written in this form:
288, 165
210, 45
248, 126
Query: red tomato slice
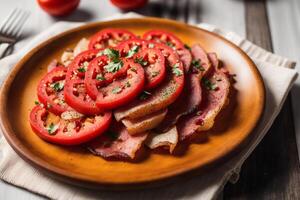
109, 38
153, 62
67, 132
114, 87
172, 41
75, 93
162, 96
151, 59
50, 90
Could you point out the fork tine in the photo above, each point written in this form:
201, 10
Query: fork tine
7, 20
16, 18
19, 27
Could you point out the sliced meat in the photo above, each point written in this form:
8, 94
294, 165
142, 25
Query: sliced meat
215, 88
162, 96
186, 58
54, 63
117, 143
188, 101
145, 123
69, 54
200, 55
168, 139
81, 46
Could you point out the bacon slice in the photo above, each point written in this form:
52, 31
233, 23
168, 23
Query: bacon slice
168, 139
117, 143
216, 87
145, 123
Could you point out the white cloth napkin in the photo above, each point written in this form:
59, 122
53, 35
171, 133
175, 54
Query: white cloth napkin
278, 75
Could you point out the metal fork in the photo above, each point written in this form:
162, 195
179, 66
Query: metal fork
11, 28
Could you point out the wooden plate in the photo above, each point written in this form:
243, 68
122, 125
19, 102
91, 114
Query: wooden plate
77, 165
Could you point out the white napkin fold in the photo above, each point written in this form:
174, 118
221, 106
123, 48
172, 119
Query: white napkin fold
278, 77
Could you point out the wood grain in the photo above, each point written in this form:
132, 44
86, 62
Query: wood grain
272, 171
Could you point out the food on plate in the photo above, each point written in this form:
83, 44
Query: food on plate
58, 7
70, 131
167, 139
129, 4
117, 93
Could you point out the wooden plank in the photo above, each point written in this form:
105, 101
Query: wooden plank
285, 27
272, 171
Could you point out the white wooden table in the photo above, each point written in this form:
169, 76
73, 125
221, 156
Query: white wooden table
283, 18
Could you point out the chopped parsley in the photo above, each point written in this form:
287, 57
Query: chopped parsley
36, 103
114, 65
116, 90
58, 86
112, 53
208, 84
168, 91
187, 47
154, 74
176, 70
144, 95
132, 51
99, 77
81, 69
197, 64
170, 44
52, 128
141, 61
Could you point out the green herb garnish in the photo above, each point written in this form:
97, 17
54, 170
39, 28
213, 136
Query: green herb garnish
141, 61
36, 103
176, 70
58, 86
144, 95
197, 64
116, 90
114, 66
132, 51
187, 47
111, 53
99, 77
208, 84
52, 128
170, 44
81, 69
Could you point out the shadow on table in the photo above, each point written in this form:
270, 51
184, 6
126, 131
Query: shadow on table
79, 15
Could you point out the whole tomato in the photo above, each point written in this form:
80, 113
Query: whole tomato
58, 7
129, 4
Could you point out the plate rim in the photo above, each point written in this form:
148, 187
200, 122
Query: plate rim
34, 160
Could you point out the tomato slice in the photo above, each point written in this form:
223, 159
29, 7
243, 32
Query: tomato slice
162, 96
151, 59
50, 90
172, 41
109, 38
67, 132
114, 85
153, 62
75, 92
